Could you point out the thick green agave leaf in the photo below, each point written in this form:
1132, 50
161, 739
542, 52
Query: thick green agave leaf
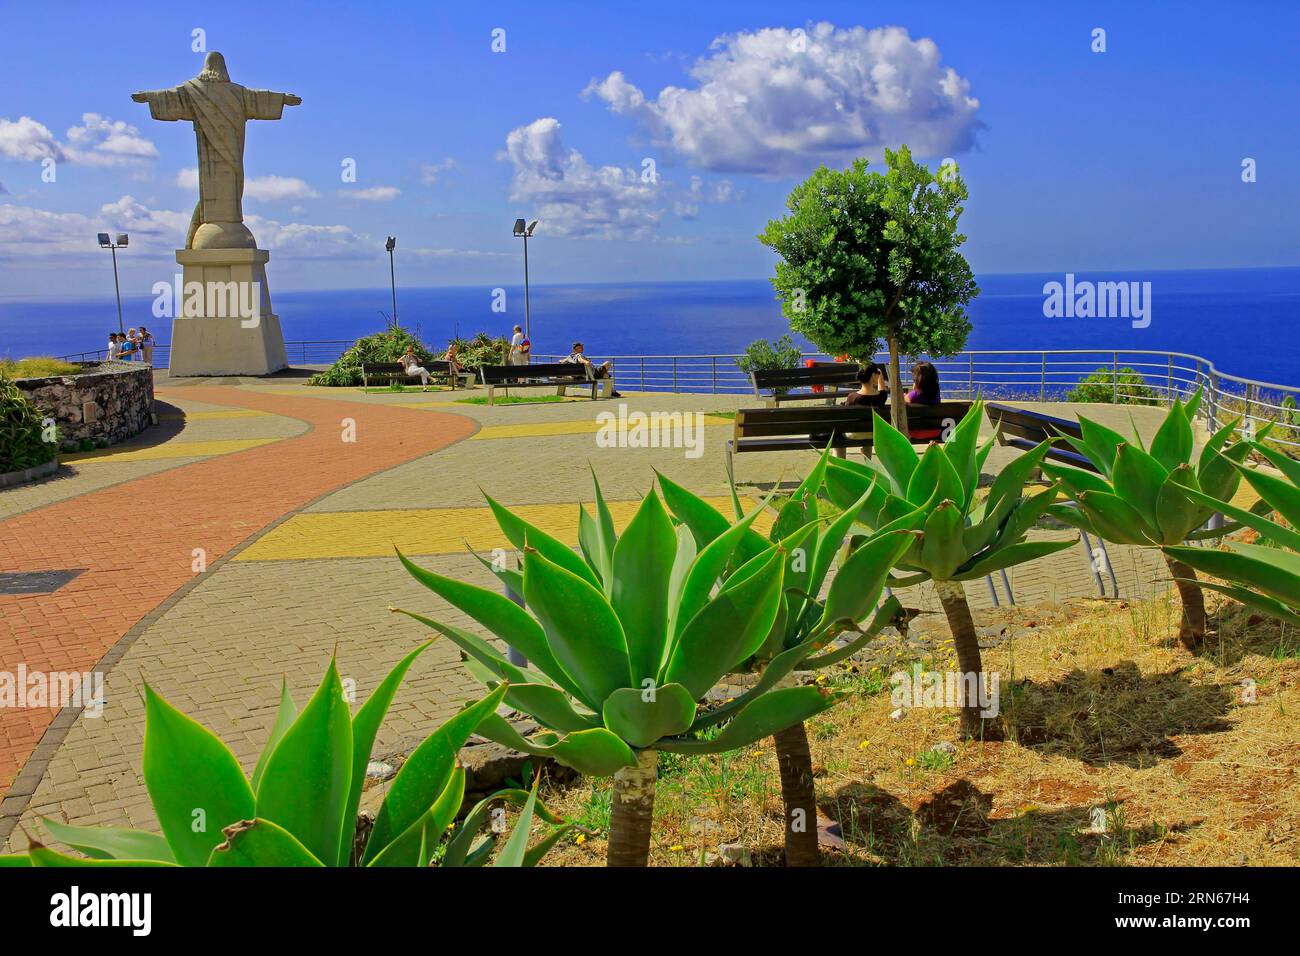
426, 773
856, 587
1265, 570
1270, 529
1219, 477
1115, 519
38, 855
516, 848
260, 843
596, 753
365, 727
1099, 444
111, 843
194, 781
604, 520
1172, 444
417, 842
941, 545
509, 577
581, 628
1242, 595
1025, 515
1177, 515
477, 649
550, 706
896, 454
935, 477
592, 549
642, 715
523, 535
683, 561
642, 580
766, 715
460, 846
884, 616
1076, 479
1009, 485
848, 482
1214, 447
1137, 478
1010, 556
727, 630
829, 543
284, 718
704, 520
960, 449
307, 780
1289, 467
1283, 496
500, 615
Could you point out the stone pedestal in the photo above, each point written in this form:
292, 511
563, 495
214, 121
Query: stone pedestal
225, 325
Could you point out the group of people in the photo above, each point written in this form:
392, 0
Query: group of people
132, 345
518, 354
873, 386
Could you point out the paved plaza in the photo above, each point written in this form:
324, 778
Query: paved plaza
250, 534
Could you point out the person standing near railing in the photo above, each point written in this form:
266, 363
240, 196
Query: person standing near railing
146, 345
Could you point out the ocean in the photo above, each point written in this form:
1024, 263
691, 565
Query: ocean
1247, 321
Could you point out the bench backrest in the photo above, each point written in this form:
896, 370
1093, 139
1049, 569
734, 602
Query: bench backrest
508, 374
823, 373
1025, 429
924, 422
381, 368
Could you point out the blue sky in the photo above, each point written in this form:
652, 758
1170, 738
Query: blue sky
1124, 160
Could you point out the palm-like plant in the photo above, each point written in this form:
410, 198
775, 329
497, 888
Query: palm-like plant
802, 619
628, 636
300, 807
1264, 575
962, 537
1146, 496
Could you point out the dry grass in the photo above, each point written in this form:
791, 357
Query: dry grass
1101, 708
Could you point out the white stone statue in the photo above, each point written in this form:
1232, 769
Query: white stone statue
218, 109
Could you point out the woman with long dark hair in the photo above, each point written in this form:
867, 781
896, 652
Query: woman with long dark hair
925, 385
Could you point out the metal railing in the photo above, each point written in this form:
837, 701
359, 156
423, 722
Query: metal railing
1132, 376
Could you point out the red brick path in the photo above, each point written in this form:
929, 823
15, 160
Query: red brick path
137, 539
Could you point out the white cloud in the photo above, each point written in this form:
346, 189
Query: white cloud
26, 139
429, 172
569, 195
100, 141
426, 253
265, 188
372, 194
779, 101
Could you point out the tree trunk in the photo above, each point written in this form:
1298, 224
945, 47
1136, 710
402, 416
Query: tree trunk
632, 812
797, 788
897, 394
1191, 632
952, 594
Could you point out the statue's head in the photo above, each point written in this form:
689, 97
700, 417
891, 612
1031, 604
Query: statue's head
214, 68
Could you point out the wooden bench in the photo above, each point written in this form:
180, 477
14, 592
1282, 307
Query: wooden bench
396, 372
774, 386
840, 426
559, 375
1025, 429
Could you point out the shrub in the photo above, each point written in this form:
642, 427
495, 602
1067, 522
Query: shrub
39, 366
1099, 387
761, 355
386, 346
481, 350
22, 443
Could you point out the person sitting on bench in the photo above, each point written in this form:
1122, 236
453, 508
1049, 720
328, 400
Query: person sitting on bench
414, 368
598, 371
925, 385
872, 389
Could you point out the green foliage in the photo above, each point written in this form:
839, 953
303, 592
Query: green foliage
386, 346
864, 254
956, 536
625, 638
22, 444
482, 349
1145, 496
300, 806
1264, 575
762, 355
39, 366
1099, 387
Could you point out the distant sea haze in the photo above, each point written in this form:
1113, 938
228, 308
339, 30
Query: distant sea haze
1247, 321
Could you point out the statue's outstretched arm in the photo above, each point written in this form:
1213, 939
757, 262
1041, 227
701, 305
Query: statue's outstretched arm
166, 105
267, 104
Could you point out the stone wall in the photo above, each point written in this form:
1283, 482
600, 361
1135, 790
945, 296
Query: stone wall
107, 402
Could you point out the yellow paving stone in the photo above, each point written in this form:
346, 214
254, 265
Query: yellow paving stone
367, 534
206, 416
175, 449
542, 429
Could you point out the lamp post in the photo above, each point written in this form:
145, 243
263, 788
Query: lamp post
390, 245
106, 242
523, 231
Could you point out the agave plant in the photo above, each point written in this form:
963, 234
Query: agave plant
300, 807
962, 537
629, 636
1146, 496
1264, 575
802, 620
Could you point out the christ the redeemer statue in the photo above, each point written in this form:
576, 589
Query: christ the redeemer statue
218, 109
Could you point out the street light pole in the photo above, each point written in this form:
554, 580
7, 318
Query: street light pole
392, 277
106, 242
523, 231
